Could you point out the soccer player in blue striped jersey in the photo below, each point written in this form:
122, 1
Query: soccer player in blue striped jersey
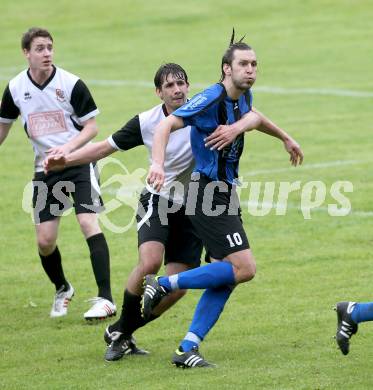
219, 117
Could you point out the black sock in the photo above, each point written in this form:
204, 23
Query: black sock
130, 318
100, 260
53, 268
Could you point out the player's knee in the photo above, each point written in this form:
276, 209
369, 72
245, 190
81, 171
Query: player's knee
150, 266
84, 226
248, 271
46, 244
89, 226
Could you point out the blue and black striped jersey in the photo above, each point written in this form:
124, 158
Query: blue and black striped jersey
204, 113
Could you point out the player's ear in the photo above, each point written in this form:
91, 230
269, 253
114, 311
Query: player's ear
227, 69
159, 93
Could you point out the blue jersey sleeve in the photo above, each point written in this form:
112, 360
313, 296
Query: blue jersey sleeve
249, 99
200, 103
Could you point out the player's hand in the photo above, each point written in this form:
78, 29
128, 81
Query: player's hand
222, 136
293, 148
63, 149
156, 176
55, 162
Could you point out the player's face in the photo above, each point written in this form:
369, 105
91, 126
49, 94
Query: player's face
40, 55
173, 92
243, 69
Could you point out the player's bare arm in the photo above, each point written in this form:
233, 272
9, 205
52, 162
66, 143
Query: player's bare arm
87, 154
88, 132
160, 140
291, 146
4, 131
226, 134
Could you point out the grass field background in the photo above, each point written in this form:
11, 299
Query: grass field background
315, 65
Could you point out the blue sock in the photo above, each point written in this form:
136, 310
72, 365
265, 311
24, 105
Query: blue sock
211, 275
187, 345
362, 312
207, 312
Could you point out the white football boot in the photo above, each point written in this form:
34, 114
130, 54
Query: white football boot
61, 301
101, 309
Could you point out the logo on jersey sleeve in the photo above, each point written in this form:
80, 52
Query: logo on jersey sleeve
46, 123
60, 95
196, 102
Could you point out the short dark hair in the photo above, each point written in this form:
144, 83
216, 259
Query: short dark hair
31, 34
229, 53
169, 69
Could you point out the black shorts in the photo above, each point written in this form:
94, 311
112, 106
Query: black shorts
213, 208
51, 197
160, 220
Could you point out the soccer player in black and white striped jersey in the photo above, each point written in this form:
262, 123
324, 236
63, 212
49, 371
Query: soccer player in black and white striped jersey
58, 115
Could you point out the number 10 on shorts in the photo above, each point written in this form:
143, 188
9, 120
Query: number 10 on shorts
234, 239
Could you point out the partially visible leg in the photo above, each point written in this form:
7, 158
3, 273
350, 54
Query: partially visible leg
183, 252
99, 252
174, 296
208, 310
349, 315
152, 236
225, 238
239, 267
102, 305
362, 312
208, 276
150, 261
46, 236
118, 336
211, 303
175, 242
213, 300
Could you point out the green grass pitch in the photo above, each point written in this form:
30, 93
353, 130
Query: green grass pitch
315, 80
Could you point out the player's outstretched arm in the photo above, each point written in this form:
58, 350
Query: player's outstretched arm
160, 140
4, 131
291, 146
88, 153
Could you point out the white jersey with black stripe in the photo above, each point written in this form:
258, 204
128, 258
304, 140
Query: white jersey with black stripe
52, 113
179, 161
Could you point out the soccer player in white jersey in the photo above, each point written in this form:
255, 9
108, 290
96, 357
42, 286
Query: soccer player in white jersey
58, 115
174, 240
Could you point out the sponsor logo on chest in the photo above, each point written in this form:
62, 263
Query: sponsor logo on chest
46, 123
